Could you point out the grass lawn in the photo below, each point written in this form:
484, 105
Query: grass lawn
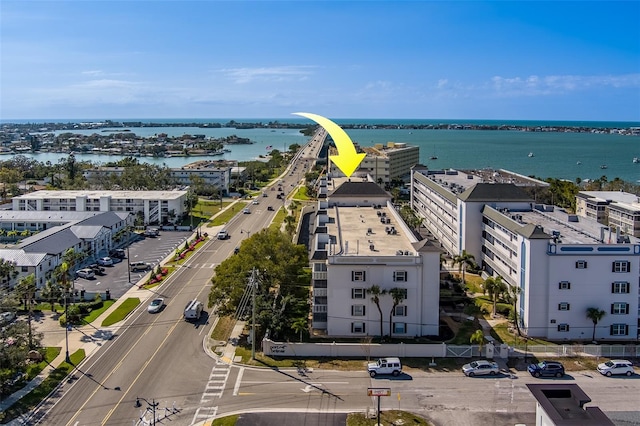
33, 398
301, 194
392, 417
226, 421
50, 354
223, 328
228, 214
121, 311
97, 312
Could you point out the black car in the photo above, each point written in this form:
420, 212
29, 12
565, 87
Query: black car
97, 269
546, 368
118, 253
270, 208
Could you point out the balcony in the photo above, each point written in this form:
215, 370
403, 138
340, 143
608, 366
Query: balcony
321, 275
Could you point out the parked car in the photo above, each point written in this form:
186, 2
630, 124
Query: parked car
223, 235
105, 261
7, 317
616, 366
480, 367
151, 232
385, 366
97, 269
139, 266
546, 368
155, 306
86, 273
118, 254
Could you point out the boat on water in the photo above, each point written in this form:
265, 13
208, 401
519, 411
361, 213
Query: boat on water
604, 166
636, 160
578, 162
531, 154
433, 157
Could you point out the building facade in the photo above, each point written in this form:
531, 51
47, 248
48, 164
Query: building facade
383, 162
562, 263
619, 210
154, 207
361, 244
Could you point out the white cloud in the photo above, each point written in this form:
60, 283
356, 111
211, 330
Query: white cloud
553, 84
271, 74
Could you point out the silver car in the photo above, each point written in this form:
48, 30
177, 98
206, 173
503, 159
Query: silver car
616, 366
480, 368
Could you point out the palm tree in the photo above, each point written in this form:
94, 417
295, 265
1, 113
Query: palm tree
299, 325
495, 287
398, 296
595, 315
26, 290
290, 224
513, 293
375, 291
463, 260
478, 338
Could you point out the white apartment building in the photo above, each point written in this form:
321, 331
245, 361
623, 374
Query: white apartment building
214, 173
155, 207
562, 263
383, 162
619, 210
360, 241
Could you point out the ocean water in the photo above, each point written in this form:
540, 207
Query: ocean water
559, 155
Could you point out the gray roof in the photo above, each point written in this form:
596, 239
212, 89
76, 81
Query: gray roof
21, 258
350, 189
426, 245
55, 243
495, 192
107, 219
529, 230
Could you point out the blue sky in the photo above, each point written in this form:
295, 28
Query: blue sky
267, 59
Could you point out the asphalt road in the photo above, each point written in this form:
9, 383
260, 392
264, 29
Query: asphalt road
158, 357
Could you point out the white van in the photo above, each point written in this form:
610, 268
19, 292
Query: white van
385, 366
193, 310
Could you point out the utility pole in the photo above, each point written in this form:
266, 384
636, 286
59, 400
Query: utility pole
128, 258
254, 286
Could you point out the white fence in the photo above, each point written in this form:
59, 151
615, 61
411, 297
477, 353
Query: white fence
442, 350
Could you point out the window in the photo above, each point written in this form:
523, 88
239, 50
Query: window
581, 264
563, 328
358, 293
400, 311
619, 329
24, 268
357, 276
399, 327
357, 327
400, 276
357, 310
564, 285
620, 287
621, 266
619, 308
564, 306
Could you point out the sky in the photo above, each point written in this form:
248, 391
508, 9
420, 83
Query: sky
509, 60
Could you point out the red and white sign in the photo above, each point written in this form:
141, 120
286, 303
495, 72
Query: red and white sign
379, 391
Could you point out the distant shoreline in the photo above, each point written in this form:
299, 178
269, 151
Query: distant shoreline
110, 126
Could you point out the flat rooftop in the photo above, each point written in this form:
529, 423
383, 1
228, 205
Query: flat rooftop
457, 181
135, 195
364, 234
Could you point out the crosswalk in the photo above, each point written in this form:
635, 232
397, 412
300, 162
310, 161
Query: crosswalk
212, 391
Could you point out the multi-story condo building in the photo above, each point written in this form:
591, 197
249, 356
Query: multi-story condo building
214, 173
361, 242
619, 210
562, 263
154, 207
383, 162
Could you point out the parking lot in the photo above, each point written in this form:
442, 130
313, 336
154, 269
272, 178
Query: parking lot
149, 250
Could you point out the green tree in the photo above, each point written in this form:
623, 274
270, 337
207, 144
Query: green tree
512, 296
52, 293
595, 315
300, 325
495, 287
376, 292
463, 260
397, 294
25, 290
477, 338
290, 224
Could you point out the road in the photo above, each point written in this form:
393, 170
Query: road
160, 357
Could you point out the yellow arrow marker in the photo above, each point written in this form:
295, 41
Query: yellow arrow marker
347, 159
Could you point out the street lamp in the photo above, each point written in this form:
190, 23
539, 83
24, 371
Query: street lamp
128, 258
66, 326
150, 406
